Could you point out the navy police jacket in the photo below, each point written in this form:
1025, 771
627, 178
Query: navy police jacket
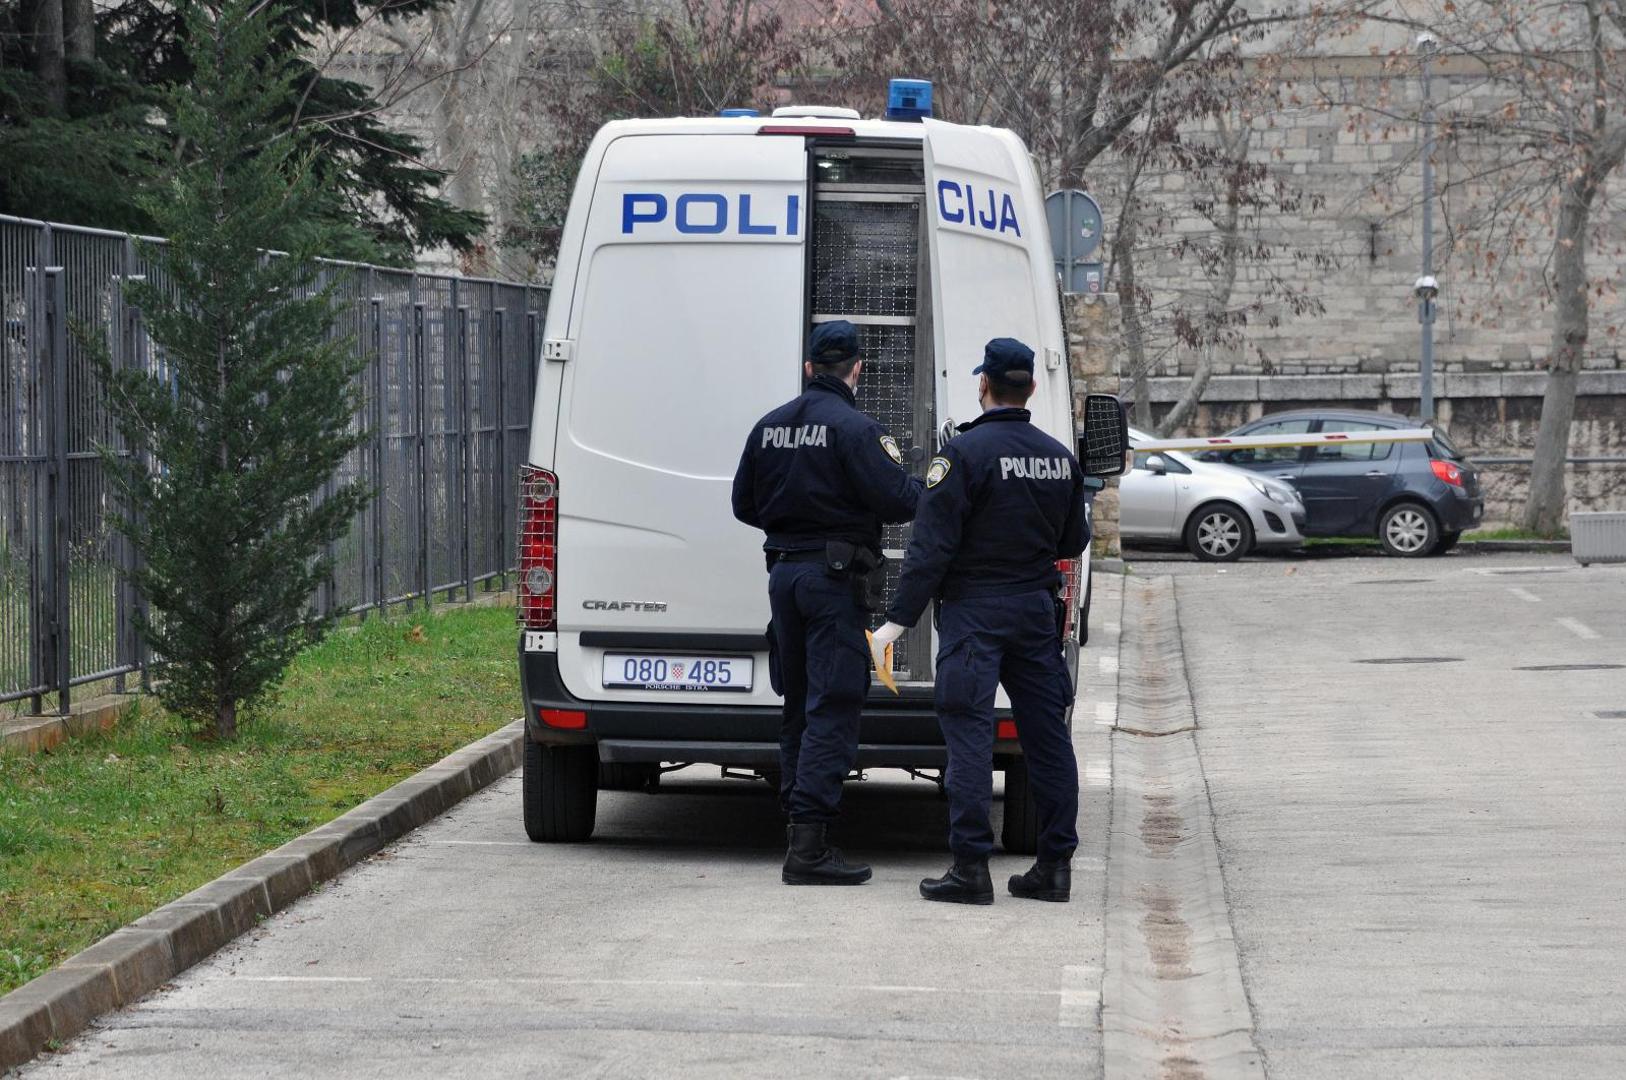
817, 469
1002, 503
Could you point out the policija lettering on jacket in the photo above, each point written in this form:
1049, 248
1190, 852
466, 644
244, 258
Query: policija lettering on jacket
998, 507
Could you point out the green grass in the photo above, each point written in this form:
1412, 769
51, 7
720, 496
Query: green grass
1340, 541
1510, 534
105, 828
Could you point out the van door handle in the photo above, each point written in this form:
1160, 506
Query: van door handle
1377, 473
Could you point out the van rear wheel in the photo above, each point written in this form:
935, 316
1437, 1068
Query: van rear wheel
1019, 834
560, 792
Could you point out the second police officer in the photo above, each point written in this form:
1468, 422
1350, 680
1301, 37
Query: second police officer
820, 478
1003, 502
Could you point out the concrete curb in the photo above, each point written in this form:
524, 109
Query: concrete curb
30, 733
1486, 547
141, 957
1172, 998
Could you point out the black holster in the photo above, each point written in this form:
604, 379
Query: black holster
865, 568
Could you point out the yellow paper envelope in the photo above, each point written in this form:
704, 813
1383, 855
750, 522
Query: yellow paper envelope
883, 662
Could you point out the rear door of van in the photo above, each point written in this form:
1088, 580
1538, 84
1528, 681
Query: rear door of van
685, 326
992, 275
991, 270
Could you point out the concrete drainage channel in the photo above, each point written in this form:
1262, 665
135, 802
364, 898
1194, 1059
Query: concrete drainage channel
1173, 1003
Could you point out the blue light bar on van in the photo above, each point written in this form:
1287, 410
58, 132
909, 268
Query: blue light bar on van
738, 112
908, 99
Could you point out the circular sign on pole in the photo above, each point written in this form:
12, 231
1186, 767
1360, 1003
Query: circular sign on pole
1075, 238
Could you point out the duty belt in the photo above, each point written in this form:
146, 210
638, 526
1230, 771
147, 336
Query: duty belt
811, 555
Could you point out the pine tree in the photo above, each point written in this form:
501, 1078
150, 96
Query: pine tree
249, 411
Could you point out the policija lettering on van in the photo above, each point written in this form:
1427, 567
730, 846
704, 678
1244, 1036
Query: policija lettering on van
707, 213
984, 208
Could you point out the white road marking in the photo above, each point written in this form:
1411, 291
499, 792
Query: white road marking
1080, 995
1524, 594
1578, 628
1098, 773
1106, 713
696, 983
1109, 664
1111, 628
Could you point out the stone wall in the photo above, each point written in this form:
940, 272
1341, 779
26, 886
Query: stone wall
1487, 416
1094, 341
1355, 241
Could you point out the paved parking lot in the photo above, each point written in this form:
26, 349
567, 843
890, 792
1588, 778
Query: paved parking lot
1416, 775
1413, 771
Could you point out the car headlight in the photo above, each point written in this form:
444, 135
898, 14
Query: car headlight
1276, 493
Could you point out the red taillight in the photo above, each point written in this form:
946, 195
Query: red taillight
1447, 471
571, 719
806, 131
538, 548
1069, 593
1005, 729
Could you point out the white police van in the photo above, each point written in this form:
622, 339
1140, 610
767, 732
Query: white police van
696, 256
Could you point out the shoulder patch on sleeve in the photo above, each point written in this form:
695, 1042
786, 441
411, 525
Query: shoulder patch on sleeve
938, 469
890, 445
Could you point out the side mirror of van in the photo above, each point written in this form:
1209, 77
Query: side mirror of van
1103, 444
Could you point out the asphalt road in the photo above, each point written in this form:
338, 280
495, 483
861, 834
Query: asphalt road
1413, 772
665, 946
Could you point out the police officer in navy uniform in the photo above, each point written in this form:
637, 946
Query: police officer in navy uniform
1003, 502
821, 478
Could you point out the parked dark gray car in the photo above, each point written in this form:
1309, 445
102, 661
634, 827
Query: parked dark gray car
1416, 498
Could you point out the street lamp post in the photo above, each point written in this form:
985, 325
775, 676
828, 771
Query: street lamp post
1426, 289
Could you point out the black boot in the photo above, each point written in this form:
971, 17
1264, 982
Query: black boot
1044, 881
965, 883
812, 861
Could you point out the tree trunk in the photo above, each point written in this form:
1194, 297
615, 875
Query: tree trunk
1544, 509
1190, 396
1129, 310
226, 721
1219, 297
48, 60
79, 30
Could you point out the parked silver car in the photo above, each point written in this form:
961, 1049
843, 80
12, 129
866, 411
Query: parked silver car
1217, 512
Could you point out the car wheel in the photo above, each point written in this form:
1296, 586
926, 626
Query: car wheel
1219, 533
559, 792
1447, 541
619, 776
1408, 530
1084, 613
1019, 832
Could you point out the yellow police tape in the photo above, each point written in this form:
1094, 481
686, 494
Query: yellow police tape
883, 662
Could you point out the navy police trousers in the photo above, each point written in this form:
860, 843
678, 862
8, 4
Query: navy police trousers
824, 665
1009, 641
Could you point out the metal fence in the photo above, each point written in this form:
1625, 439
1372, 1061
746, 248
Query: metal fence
447, 389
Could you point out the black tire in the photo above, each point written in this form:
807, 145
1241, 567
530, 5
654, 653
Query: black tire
1019, 833
560, 792
1084, 612
1409, 530
1219, 532
619, 776
1447, 541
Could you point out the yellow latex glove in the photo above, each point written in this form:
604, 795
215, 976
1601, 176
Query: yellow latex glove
880, 652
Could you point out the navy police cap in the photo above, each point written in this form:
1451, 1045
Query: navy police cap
832, 342
1007, 360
